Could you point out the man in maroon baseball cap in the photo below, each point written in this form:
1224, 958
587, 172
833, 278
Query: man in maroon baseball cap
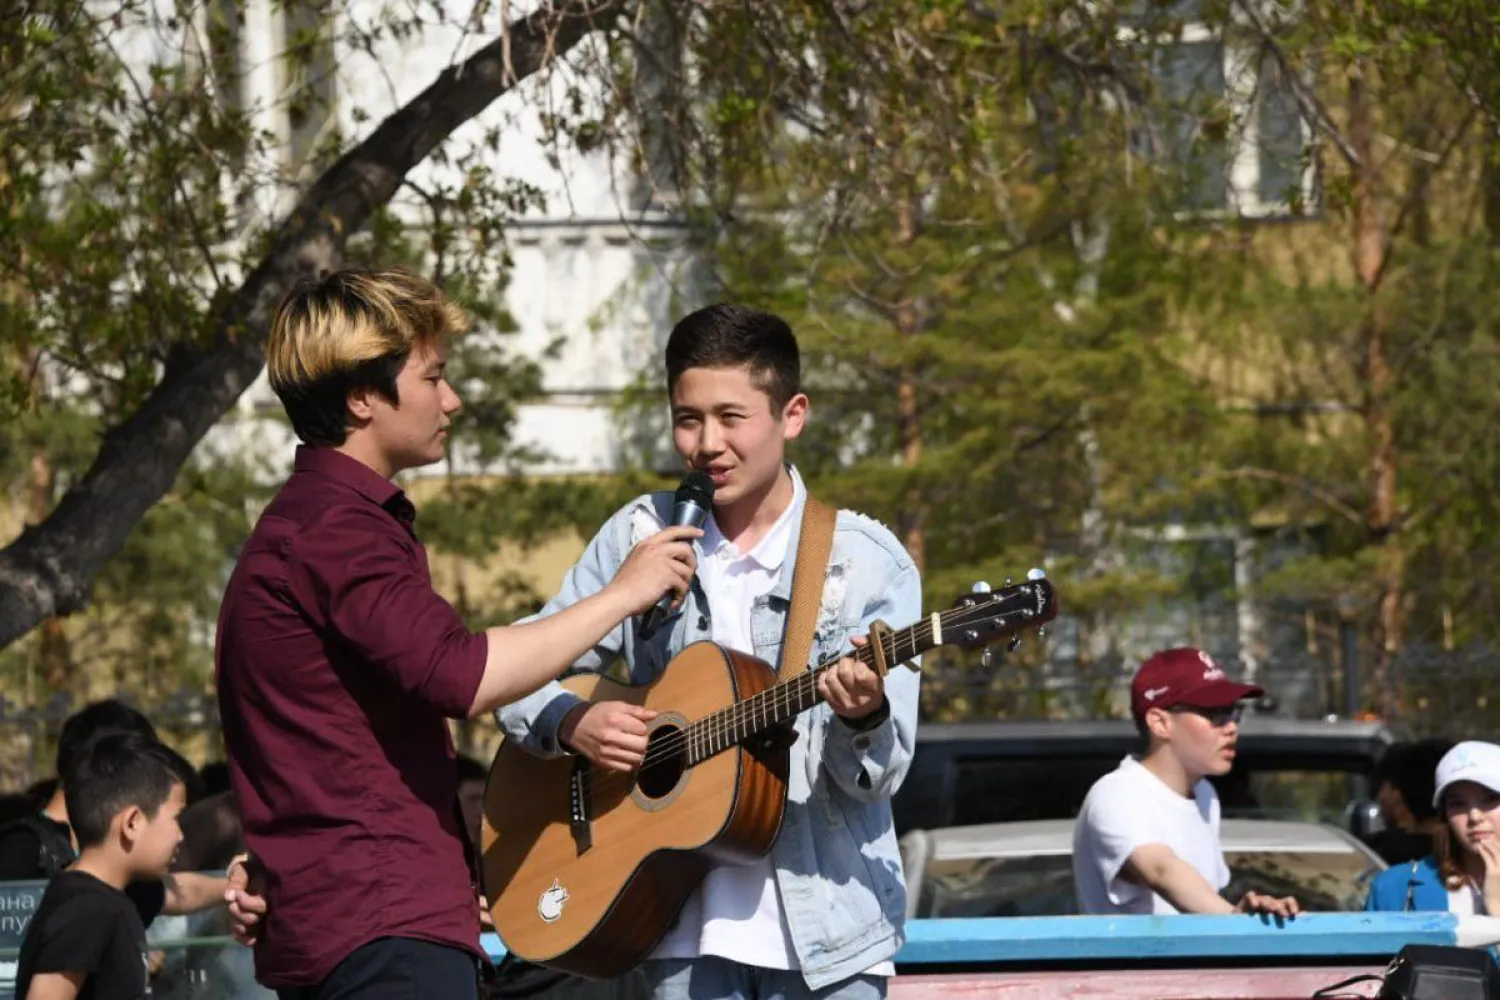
1147, 837
1185, 676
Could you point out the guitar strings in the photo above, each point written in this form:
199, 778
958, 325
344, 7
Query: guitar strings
708, 731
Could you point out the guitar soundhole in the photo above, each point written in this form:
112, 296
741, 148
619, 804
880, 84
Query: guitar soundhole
665, 761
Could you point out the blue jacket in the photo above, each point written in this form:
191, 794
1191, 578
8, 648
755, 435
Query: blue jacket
1412, 886
836, 859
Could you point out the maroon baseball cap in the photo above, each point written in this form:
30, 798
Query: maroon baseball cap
1185, 676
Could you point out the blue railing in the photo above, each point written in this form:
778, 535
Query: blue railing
1002, 940
994, 944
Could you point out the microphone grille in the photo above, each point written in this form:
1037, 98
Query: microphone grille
697, 487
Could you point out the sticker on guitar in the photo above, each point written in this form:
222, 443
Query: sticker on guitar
550, 906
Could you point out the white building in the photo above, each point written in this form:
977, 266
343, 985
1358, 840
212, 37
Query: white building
590, 271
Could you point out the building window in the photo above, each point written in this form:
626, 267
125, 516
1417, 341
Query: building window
1225, 124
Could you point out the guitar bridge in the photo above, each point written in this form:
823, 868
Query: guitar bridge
580, 796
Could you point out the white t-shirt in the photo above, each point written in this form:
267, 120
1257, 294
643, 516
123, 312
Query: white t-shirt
1129, 808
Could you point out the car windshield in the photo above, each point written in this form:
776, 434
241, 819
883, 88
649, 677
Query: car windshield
1041, 886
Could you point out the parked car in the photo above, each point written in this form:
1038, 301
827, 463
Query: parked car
1026, 869
1315, 770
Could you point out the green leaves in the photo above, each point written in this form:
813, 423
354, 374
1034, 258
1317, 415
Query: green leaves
1023, 343
141, 174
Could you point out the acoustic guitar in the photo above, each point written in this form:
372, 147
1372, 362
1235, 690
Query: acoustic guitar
586, 869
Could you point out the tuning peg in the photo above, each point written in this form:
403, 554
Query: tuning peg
980, 587
1014, 644
1007, 581
1036, 573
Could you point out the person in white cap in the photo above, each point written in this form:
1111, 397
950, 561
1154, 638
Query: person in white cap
1462, 875
1147, 837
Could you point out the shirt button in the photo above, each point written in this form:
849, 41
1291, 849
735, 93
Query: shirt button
703, 623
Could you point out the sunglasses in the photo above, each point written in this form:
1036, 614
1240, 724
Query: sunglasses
1217, 717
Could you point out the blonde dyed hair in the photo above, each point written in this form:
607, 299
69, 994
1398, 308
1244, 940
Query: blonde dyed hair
351, 329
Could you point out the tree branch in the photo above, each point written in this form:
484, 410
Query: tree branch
48, 569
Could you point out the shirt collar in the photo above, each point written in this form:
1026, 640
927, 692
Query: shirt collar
770, 552
356, 475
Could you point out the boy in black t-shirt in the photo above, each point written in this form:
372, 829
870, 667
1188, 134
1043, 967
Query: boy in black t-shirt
88, 940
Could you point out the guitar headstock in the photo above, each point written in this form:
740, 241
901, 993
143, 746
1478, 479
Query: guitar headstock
985, 616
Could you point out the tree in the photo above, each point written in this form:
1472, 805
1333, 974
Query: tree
128, 269
1357, 353
1004, 238
1037, 325
886, 183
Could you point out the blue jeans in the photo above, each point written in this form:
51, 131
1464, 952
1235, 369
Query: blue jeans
714, 978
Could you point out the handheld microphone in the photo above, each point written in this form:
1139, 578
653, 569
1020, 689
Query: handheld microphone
690, 507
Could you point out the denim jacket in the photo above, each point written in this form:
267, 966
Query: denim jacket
836, 858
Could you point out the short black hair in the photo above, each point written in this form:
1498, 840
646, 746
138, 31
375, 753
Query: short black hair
319, 411
116, 771
1411, 769
91, 721
1141, 729
735, 336
213, 778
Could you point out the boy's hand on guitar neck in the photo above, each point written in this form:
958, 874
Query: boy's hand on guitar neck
611, 734
852, 689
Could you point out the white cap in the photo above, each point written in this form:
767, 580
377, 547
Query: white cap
1470, 760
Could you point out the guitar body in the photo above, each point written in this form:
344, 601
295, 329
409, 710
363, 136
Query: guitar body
586, 869
595, 899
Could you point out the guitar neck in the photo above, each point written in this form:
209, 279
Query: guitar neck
747, 719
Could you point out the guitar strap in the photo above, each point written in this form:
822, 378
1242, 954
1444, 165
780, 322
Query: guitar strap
813, 546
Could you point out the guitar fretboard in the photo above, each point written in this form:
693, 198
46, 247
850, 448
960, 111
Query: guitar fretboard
740, 722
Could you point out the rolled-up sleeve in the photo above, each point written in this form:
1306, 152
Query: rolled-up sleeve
364, 582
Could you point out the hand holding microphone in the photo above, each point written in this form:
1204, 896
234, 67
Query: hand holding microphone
690, 507
657, 569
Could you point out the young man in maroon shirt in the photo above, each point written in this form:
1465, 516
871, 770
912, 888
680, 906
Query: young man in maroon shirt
338, 665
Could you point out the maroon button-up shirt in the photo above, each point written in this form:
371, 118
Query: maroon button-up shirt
337, 666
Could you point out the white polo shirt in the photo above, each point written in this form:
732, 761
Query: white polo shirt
736, 912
